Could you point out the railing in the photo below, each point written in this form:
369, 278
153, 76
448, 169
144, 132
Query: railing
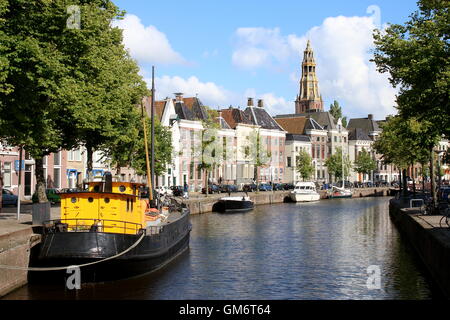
92, 225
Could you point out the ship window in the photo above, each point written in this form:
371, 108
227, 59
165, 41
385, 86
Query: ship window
122, 188
97, 188
90, 199
73, 200
106, 200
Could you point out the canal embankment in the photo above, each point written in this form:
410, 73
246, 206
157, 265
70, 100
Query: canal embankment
199, 204
17, 237
429, 237
16, 241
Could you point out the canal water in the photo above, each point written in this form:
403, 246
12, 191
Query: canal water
316, 250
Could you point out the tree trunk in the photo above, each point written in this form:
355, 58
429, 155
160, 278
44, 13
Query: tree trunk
405, 184
433, 184
414, 180
90, 153
206, 182
40, 180
400, 185
1, 186
423, 178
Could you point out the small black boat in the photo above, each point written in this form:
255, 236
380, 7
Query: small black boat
234, 204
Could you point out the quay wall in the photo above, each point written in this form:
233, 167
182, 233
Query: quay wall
203, 204
431, 242
15, 245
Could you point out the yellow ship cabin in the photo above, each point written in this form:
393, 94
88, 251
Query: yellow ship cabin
110, 207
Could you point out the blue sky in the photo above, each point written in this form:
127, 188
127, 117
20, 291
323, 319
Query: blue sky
225, 51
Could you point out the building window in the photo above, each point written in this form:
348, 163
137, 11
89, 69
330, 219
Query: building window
335, 139
57, 178
57, 159
289, 162
7, 174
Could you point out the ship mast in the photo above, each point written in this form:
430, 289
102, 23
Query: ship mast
149, 180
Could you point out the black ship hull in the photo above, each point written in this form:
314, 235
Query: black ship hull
153, 252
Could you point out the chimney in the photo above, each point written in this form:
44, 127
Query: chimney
261, 103
178, 96
370, 116
250, 102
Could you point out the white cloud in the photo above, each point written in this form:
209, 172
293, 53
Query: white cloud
342, 47
209, 93
147, 44
215, 96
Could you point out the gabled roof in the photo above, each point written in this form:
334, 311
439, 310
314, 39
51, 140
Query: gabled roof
323, 118
358, 134
234, 116
222, 123
368, 125
159, 107
262, 118
312, 124
294, 125
297, 137
190, 109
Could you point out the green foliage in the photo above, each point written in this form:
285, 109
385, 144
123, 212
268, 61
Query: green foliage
405, 142
336, 112
61, 86
163, 149
334, 164
417, 57
364, 163
304, 165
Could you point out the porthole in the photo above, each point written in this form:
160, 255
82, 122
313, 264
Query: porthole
91, 199
106, 200
122, 188
73, 200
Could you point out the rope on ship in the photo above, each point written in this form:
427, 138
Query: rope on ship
75, 266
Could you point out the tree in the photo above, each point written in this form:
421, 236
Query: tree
37, 81
63, 86
255, 150
406, 142
334, 164
364, 163
163, 149
304, 165
336, 112
209, 150
417, 57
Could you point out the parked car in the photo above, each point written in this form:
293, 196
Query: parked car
347, 184
228, 188
177, 191
277, 186
288, 186
265, 187
9, 198
163, 190
212, 188
249, 187
52, 196
445, 193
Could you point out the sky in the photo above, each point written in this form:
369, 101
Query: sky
226, 51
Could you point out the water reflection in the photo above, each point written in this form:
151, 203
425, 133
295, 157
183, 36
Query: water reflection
287, 251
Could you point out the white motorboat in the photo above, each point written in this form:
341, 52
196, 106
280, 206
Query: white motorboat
305, 192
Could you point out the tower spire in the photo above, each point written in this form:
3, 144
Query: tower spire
309, 98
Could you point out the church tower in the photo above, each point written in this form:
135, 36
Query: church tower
309, 98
